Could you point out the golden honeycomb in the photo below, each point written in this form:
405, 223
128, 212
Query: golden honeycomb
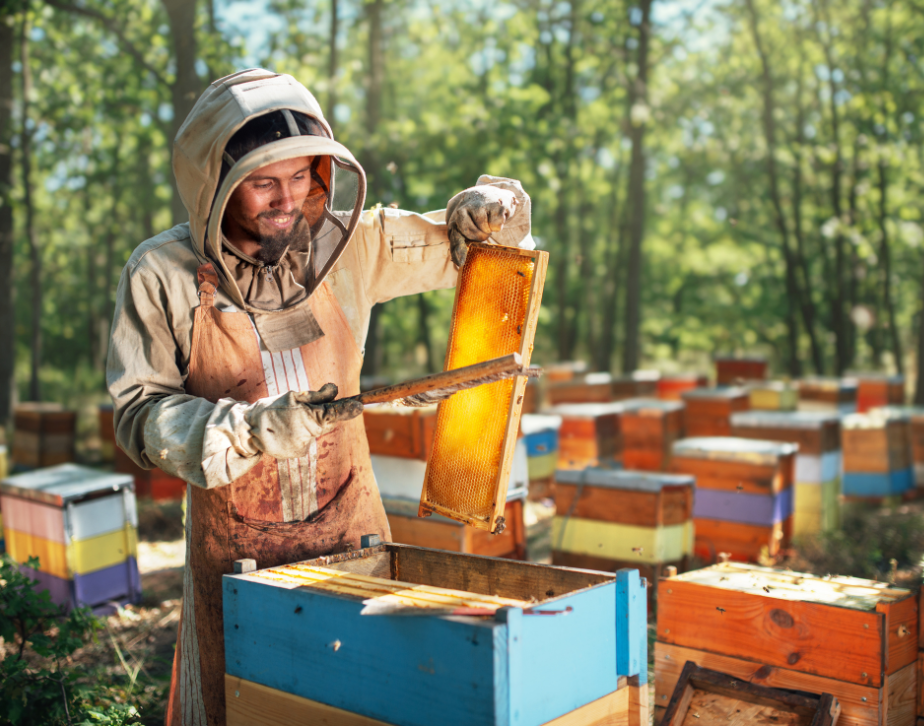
489, 320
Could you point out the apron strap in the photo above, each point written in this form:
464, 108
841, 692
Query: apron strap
208, 283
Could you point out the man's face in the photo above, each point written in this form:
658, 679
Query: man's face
263, 214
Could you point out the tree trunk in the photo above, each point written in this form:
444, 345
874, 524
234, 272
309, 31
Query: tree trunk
113, 229
35, 256
611, 283
332, 66
769, 126
186, 86
423, 308
7, 327
885, 260
635, 197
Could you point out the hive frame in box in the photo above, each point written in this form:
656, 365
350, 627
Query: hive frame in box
526, 332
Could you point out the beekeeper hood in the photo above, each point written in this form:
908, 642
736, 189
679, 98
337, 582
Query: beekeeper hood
275, 293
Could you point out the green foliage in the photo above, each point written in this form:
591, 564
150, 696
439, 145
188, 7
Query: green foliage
37, 684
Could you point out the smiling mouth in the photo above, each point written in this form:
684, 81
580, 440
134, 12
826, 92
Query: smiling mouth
279, 222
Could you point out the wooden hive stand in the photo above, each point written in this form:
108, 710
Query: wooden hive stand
731, 371
828, 394
81, 524
649, 429
590, 434
744, 495
818, 462
855, 639
709, 410
392, 635
878, 463
609, 520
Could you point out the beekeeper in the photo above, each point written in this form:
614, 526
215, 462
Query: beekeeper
235, 335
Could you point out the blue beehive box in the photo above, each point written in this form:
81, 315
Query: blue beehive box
491, 641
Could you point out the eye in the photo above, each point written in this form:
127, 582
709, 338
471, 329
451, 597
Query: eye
265, 185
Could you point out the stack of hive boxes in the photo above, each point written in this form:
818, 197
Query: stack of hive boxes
828, 394
773, 396
472, 654
43, 434
855, 639
607, 520
818, 463
590, 434
875, 390
400, 440
540, 436
730, 371
589, 388
877, 456
81, 525
708, 410
915, 415
744, 495
649, 429
671, 386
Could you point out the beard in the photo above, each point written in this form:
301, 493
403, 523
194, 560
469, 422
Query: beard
274, 245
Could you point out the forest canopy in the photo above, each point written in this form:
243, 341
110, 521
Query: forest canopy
709, 177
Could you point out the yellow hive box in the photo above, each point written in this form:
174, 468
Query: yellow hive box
495, 314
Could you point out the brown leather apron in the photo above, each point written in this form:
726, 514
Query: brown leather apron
280, 511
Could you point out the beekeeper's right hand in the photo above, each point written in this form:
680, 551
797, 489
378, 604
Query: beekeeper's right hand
284, 427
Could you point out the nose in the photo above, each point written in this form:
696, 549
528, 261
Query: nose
284, 200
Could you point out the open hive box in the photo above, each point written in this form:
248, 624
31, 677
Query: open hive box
495, 314
855, 639
482, 641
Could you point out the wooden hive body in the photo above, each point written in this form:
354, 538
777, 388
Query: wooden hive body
589, 388
729, 371
495, 313
915, 416
545, 642
403, 432
607, 520
773, 396
541, 437
649, 429
81, 525
853, 638
878, 461
671, 387
590, 434
818, 462
744, 497
875, 391
153, 483
828, 394
43, 434
708, 410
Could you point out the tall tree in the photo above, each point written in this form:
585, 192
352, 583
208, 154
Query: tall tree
7, 328
332, 65
635, 196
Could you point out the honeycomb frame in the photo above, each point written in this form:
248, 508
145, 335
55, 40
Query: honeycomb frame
494, 469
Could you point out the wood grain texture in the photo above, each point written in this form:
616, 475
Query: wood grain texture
833, 642
919, 674
744, 542
900, 699
672, 505
400, 432
901, 633
732, 475
855, 711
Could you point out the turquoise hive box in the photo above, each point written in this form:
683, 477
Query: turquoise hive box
339, 632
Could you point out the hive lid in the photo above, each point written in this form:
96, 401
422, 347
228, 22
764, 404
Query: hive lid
784, 419
719, 392
739, 359
848, 592
878, 377
900, 412
729, 448
585, 410
533, 423
827, 384
64, 483
621, 479
878, 419
654, 405
770, 386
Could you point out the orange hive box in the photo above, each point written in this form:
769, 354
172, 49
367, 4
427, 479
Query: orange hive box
671, 386
589, 434
43, 434
875, 390
709, 410
828, 394
649, 428
729, 370
590, 388
495, 313
404, 432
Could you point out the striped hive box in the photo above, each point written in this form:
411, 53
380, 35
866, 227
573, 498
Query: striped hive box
672, 385
540, 435
708, 410
493, 642
400, 481
81, 524
43, 434
606, 520
649, 428
401, 432
915, 416
773, 396
818, 463
729, 371
876, 390
855, 639
878, 463
744, 495
828, 394
590, 433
